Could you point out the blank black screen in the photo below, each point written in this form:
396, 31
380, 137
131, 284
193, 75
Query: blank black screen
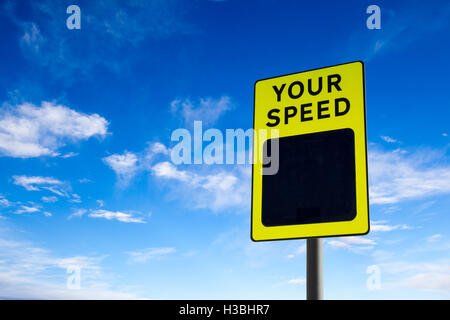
315, 181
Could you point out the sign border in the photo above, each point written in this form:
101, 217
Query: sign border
365, 145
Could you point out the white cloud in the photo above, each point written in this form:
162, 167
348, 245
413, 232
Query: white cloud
428, 276
236, 242
297, 281
44, 41
50, 199
353, 243
4, 202
382, 226
215, 191
434, 237
77, 213
59, 191
157, 148
30, 272
32, 38
124, 165
207, 110
396, 177
33, 183
115, 215
300, 250
432, 281
201, 188
28, 209
167, 170
69, 155
75, 198
388, 139
29, 131
405, 267
38, 183
145, 255
128, 164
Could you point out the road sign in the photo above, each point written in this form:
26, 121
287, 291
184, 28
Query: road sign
320, 188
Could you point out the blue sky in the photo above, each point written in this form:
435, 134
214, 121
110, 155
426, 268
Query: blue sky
86, 118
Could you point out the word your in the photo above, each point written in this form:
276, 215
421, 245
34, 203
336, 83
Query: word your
218, 152
374, 20
74, 20
296, 89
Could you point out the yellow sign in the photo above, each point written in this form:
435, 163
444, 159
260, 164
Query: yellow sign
317, 183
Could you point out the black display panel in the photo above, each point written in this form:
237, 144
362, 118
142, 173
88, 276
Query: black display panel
315, 181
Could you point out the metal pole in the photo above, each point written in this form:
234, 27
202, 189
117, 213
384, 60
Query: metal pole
314, 269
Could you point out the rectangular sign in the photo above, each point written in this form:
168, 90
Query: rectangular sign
315, 134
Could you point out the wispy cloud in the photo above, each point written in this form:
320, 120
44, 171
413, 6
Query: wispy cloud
388, 139
115, 215
399, 29
203, 188
28, 131
28, 209
32, 38
145, 255
4, 202
69, 155
432, 281
128, 164
53, 185
112, 26
31, 272
127, 217
428, 276
124, 165
219, 190
35, 183
75, 198
169, 171
376, 226
78, 213
300, 250
208, 110
434, 237
256, 254
396, 177
50, 199
353, 243
40, 183
297, 281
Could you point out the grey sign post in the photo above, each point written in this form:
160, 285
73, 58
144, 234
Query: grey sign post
314, 269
